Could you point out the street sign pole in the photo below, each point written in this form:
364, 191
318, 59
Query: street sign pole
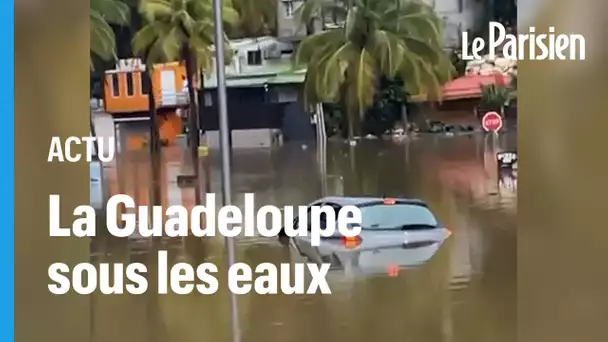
224, 148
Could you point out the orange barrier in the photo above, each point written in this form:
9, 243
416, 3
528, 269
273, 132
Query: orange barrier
169, 126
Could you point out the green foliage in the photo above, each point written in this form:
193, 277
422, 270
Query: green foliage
459, 64
379, 39
176, 27
256, 18
495, 95
335, 120
379, 118
104, 13
386, 109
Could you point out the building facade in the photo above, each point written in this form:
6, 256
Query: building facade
263, 89
287, 23
459, 16
263, 94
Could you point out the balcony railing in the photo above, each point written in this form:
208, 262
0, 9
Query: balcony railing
172, 99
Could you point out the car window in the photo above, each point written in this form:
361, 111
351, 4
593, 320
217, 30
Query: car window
323, 217
308, 212
382, 216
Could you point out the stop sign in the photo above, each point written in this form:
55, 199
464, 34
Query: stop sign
491, 122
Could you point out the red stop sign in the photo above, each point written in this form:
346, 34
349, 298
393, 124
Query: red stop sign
491, 122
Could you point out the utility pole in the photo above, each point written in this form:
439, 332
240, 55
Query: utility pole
225, 151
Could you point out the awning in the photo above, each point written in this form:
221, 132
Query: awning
469, 87
466, 87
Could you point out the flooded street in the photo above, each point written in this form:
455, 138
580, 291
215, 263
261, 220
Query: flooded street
466, 292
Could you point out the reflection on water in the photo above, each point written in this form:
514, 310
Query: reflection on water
466, 292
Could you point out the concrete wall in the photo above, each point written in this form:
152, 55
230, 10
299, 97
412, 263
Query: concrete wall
275, 57
458, 16
259, 110
287, 24
247, 138
296, 123
248, 108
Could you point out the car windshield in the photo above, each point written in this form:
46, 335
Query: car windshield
397, 216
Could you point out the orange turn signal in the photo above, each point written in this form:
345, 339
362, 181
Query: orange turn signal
351, 241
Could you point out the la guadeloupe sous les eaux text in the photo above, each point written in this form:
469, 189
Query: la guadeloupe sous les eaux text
178, 221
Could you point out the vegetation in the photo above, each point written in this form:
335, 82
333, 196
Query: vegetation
386, 109
365, 68
256, 18
181, 30
459, 64
177, 30
379, 39
378, 119
103, 14
495, 96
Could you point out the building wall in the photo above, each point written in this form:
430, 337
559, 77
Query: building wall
260, 108
125, 93
247, 109
459, 16
275, 57
287, 24
296, 125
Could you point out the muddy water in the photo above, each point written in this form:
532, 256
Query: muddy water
466, 292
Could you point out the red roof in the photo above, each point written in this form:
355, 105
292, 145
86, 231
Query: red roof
468, 87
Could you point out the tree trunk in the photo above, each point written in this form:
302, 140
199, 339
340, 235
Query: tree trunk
352, 112
351, 128
193, 120
193, 129
154, 146
404, 118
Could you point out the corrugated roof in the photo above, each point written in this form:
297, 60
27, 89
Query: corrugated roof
466, 87
271, 73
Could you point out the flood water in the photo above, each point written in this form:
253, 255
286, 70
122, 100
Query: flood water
466, 292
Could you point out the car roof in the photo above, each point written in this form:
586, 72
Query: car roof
356, 201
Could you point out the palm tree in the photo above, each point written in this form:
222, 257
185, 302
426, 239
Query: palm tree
103, 14
180, 30
394, 39
257, 18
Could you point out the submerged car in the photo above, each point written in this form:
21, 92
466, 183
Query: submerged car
395, 233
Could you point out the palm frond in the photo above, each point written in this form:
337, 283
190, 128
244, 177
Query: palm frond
104, 13
380, 39
177, 27
366, 81
315, 43
114, 12
312, 9
101, 37
255, 17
